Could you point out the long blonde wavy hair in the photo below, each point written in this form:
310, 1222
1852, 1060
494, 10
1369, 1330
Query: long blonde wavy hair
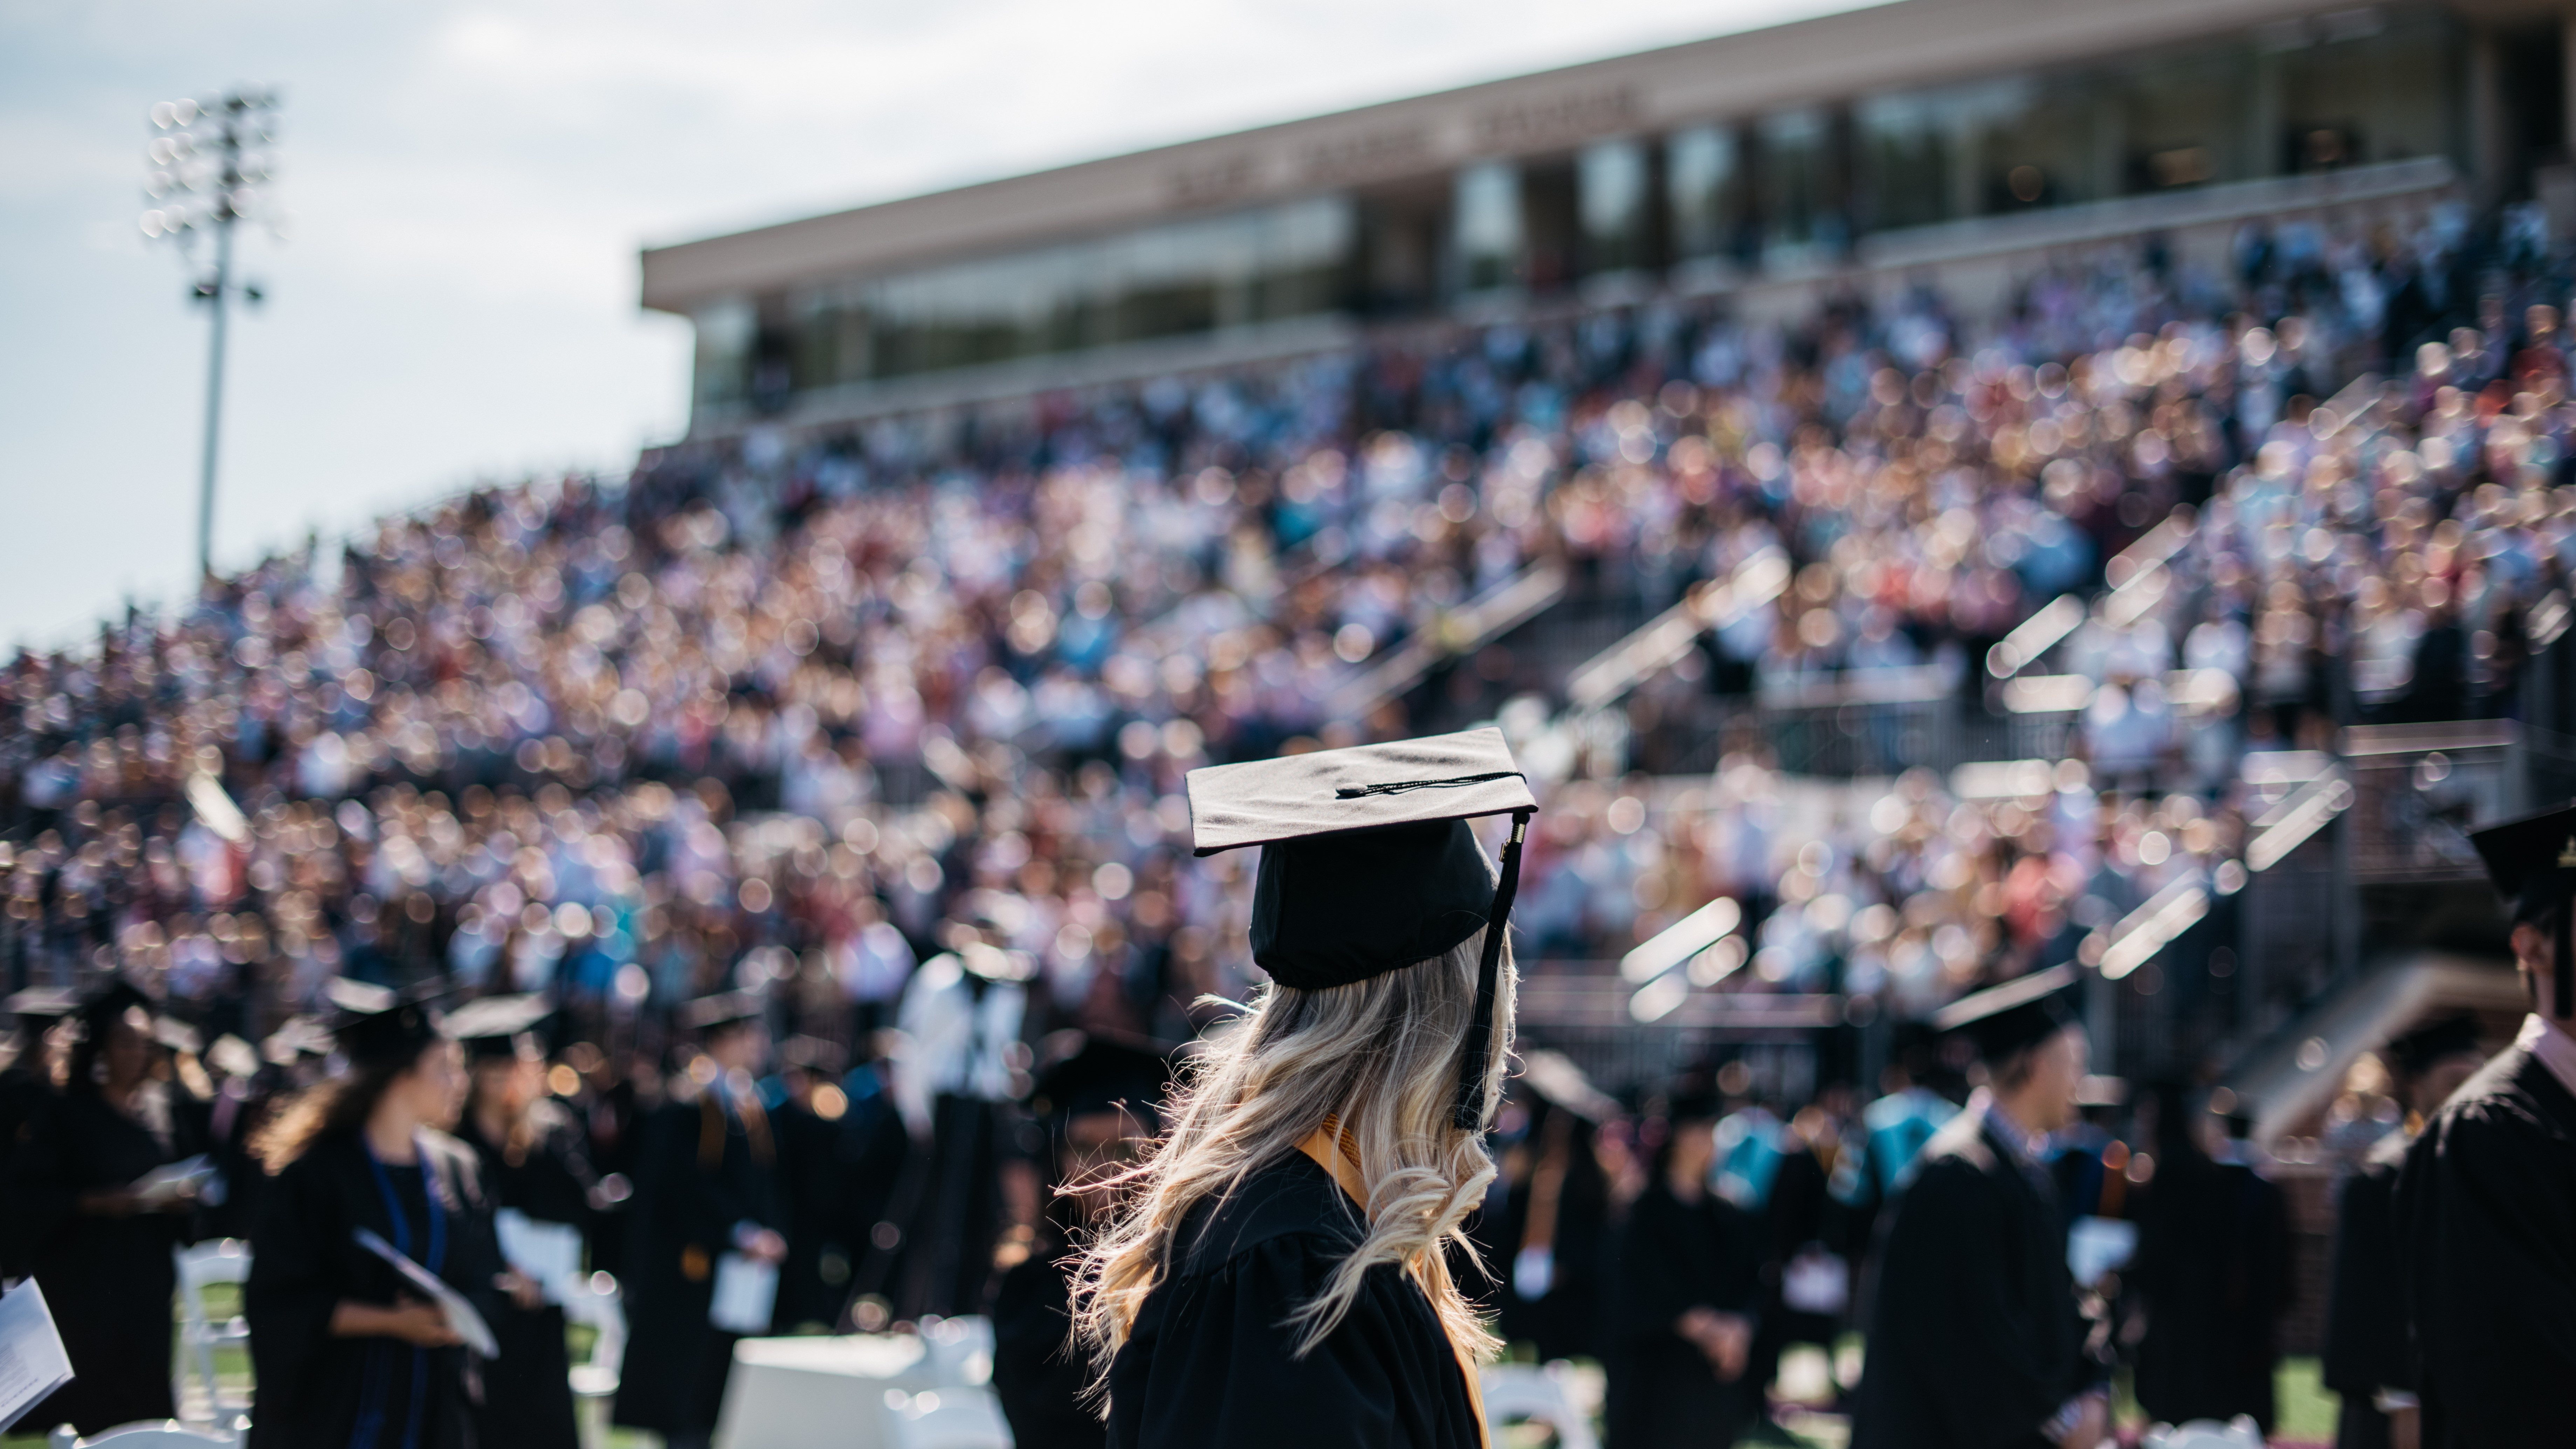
1382, 1056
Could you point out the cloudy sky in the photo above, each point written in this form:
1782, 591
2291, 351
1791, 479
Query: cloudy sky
464, 187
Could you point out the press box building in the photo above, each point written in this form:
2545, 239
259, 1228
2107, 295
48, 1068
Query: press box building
1955, 141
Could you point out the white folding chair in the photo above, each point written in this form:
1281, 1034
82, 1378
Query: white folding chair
595, 1300
958, 1351
1518, 1393
156, 1434
957, 1417
2243, 1433
199, 1398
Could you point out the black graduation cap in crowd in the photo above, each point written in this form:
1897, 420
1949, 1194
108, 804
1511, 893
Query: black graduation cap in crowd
499, 1026
1368, 864
1103, 1076
377, 1024
2532, 861
111, 1001
2021, 1013
2447, 1036
722, 1009
38, 1008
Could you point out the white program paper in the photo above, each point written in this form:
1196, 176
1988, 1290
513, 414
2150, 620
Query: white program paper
32, 1361
2096, 1247
171, 1181
548, 1252
746, 1290
461, 1315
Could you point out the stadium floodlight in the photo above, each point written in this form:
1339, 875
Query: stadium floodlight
209, 164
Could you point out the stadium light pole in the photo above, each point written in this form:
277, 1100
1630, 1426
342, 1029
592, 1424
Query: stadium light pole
208, 163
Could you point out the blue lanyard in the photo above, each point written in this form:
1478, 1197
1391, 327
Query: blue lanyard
371, 1404
428, 1193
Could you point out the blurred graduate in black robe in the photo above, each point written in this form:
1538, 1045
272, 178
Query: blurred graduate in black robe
533, 1166
707, 1187
26, 1089
1549, 1243
101, 1252
807, 1109
1976, 1340
2210, 1277
343, 1350
1098, 1108
2486, 1200
2367, 1360
1685, 1294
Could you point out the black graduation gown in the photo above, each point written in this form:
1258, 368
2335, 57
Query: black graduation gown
815, 1277
528, 1390
1038, 1372
23, 1098
108, 1280
708, 1166
1671, 1257
2365, 1350
1562, 1322
2486, 1221
1975, 1337
319, 1391
2213, 1255
1210, 1359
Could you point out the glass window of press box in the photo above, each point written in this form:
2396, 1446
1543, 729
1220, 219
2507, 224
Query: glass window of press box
2357, 88
1186, 277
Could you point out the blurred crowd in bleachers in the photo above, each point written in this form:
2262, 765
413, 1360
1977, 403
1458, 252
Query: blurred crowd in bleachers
799, 713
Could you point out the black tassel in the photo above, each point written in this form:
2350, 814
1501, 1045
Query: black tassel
1470, 1114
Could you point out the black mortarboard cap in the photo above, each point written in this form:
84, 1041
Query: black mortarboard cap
113, 1000
378, 1025
498, 1026
2448, 1036
1103, 1076
2532, 860
2021, 1013
722, 1009
39, 1007
1368, 864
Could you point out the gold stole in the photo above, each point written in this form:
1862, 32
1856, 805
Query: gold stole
1336, 1149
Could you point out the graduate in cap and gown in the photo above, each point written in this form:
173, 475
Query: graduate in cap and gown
707, 1188
1976, 1339
345, 1351
535, 1168
26, 1088
2486, 1200
1099, 1108
1278, 1271
101, 1251
2367, 1360
1686, 1294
